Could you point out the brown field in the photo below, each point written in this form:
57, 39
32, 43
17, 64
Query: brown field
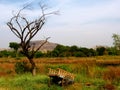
7, 64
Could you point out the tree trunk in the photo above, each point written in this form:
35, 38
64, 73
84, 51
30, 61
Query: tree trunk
34, 71
33, 67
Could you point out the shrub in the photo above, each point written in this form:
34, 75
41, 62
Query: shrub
79, 54
22, 67
39, 54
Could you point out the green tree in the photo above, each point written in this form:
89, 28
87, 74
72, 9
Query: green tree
85, 51
39, 54
14, 45
73, 50
100, 50
92, 52
116, 41
59, 51
4, 53
112, 51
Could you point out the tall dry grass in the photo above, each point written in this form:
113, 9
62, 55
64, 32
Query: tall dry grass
112, 74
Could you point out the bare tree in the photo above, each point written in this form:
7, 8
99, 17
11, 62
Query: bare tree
25, 30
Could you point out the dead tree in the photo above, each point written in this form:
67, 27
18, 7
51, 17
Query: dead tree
25, 30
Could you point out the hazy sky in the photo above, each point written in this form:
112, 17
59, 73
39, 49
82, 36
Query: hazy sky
84, 23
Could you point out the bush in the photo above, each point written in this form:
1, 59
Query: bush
79, 54
39, 54
22, 67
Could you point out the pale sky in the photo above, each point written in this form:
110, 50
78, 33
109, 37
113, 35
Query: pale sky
85, 23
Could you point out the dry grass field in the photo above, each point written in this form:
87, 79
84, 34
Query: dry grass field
92, 73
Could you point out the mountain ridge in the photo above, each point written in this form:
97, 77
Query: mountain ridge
48, 46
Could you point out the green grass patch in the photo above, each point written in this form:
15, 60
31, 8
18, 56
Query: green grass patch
25, 82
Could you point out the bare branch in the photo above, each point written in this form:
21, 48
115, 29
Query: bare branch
27, 5
14, 30
18, 24
42, 44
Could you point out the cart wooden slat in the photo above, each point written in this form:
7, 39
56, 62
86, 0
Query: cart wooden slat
60, 76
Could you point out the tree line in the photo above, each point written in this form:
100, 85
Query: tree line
63, 51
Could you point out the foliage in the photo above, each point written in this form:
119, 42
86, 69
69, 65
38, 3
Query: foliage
4, 53
21, 67
39, 54
14, 45
67, 51
116, 42
100, 50
112, 51
74, 51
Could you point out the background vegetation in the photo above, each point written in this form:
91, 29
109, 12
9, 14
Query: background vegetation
67, 51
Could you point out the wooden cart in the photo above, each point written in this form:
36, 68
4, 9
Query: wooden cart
60, 77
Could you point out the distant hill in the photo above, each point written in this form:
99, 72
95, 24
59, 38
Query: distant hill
48, 46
